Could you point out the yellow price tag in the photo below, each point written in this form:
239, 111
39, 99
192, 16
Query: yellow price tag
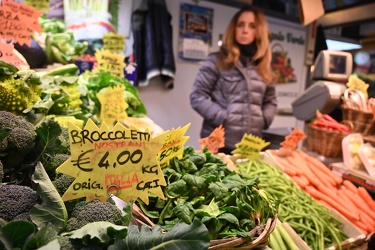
114, 42
173, 145
110, 62
357, 84
38, 4
117, 160
250, 146
113, 104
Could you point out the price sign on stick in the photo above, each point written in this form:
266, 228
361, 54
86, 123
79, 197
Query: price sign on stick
18, 22
118, 160
291, 141
215, 140
250, 146
7, 54
110, 62
114, 42
173, 145
113, 104
38, 4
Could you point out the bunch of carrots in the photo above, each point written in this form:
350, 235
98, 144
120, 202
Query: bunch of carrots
329, 189
325, 121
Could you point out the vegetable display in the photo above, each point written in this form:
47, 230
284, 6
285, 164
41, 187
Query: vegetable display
310, 220
329, 189
200, 186
325, 121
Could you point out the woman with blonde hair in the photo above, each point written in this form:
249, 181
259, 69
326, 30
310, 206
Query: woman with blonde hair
234, 86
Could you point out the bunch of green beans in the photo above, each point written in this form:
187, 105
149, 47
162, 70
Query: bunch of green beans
310, 220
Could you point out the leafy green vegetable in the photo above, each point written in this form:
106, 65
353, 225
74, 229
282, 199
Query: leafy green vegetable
200, 186
182, 236
52, 210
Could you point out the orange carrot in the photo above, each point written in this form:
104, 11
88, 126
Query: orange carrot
326, 179
363, 206
321, 166
352, 215
344, 197
300, 180
366, 197
348, 184
368, 221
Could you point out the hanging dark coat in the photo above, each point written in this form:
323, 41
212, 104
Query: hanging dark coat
152, 47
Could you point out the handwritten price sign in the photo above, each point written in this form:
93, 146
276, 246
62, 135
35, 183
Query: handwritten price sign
114, 42
250, 146
173, 145
215, 140
18, 22
113, 105
110, 62
7, 55
104, 159
291, 141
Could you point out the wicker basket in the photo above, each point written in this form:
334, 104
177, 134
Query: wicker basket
363, 122
325, 142
260, 233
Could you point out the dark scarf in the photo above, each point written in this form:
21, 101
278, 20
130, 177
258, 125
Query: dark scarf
247, 52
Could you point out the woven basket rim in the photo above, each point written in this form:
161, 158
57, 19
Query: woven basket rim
233, 242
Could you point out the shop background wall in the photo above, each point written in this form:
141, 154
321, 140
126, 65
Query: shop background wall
170, 108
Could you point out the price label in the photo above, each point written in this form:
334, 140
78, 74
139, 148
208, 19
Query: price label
7, 54
114, 42
291, 141
173, 145
110, 62
122, 159
18, 22
113, 104
38, 4
250, 146
215, 140
357, 84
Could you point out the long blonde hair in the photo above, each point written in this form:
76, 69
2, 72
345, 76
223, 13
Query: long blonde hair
229, 52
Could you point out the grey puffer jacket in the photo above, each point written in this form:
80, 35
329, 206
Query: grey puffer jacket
238, 99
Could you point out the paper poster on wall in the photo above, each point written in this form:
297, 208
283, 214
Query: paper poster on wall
288, 55
195, 32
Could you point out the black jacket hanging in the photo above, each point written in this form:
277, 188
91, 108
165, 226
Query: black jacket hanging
152, 47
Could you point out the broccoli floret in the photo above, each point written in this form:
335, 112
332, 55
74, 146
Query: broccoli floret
53, 162
16, 200
62, 183
19, 141
64, 138
16, 95
94, 211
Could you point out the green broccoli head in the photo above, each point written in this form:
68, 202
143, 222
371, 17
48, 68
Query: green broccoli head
18, 138
94, 211
62, 183
16, 200
64, 138
53, 162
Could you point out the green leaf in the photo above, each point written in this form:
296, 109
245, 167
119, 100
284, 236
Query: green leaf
176, 189
193, 180
102, 231
15, 234
212, 209
182, 236
219, 190
41, 238
184, 211
52, 210
230, 218
233, 180
54, 244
